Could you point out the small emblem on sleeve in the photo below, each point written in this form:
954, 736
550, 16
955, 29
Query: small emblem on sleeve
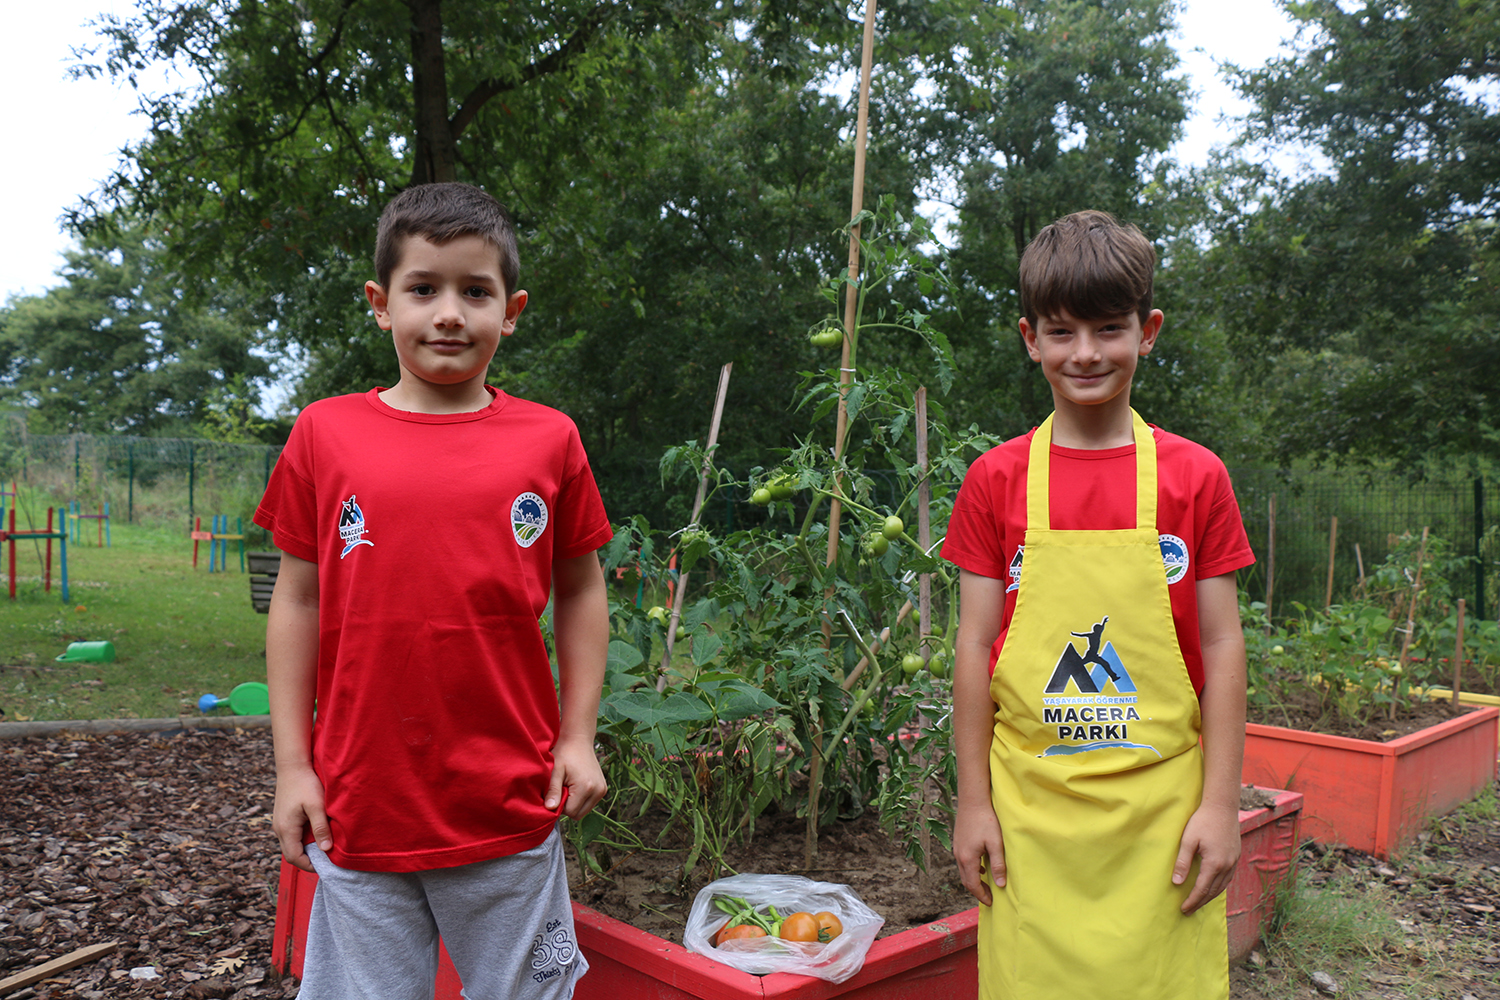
1174, 556
528, 519
352, 527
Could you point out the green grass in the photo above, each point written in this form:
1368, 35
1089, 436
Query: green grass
178, 632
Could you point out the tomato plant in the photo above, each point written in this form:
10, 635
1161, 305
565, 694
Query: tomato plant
803, 606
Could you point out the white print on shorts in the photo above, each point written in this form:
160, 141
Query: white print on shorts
551, 951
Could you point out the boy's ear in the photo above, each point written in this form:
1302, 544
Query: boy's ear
1028, 337
379, 305
513, 307
1149, 331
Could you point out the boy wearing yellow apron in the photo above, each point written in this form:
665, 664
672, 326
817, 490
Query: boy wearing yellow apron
1099, 685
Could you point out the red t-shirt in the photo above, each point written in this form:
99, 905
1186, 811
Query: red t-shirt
434, 536
1197, 517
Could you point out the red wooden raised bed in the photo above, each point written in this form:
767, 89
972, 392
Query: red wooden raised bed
936, 961
1268, 850
933, 962
1375, 797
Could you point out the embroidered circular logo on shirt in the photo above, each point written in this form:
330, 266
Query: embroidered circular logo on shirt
528, 519
1174, 556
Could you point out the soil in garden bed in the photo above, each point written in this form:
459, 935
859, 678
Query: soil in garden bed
646, 889
1302, 710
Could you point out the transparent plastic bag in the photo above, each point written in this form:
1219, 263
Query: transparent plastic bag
835, 961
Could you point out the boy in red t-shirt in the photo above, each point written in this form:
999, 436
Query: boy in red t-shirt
1099, 682
423, 528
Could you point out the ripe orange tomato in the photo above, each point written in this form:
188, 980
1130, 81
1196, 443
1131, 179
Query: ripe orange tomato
800, 926
741, 932
829, 926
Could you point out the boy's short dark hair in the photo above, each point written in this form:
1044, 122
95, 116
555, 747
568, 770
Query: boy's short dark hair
1090, 265
441, 213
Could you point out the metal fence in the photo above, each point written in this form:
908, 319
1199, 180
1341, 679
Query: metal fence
1372, 510
139, 477
166, 479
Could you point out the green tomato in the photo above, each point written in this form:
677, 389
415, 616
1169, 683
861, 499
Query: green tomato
869, 708
938, 665
1277, 650
658, 614
916, 615
781, 490
761, 497
876, 545
827, 337
911, 663
892, 528
681, 633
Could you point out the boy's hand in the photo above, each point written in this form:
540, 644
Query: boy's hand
299, 805
1213, 833
576, 768
979, 846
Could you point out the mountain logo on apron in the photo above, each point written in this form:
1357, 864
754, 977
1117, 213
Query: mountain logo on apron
1088, 716
1074, 666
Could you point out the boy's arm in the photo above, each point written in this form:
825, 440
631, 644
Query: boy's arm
1213, 832
977, 842
580, 634
292, 679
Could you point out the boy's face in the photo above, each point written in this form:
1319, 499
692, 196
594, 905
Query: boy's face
446, 308
1089, 362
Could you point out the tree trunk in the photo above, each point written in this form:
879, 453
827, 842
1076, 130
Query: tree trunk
435, 155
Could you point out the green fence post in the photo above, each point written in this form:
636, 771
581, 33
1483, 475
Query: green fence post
1479, 614
130, 456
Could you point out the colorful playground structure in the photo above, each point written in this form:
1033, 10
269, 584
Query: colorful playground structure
218, 538
9, 536
76, 517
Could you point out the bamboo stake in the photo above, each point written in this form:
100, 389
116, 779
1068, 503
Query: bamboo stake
1359, 561
846, 373
1411, 614
1333, 534
708, 452
1458, 654
924, 598
851, 291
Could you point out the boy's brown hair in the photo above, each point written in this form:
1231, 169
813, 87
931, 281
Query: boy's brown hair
441, 213
1090, 265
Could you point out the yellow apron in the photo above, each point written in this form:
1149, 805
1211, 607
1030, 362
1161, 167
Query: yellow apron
1095, 769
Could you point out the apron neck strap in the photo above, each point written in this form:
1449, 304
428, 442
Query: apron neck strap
1039, 475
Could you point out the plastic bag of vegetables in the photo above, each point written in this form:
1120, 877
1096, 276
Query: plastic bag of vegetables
782, 923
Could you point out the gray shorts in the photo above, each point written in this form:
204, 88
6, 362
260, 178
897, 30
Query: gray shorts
507, 925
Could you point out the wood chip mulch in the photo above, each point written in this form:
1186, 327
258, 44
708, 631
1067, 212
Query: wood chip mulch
161, 842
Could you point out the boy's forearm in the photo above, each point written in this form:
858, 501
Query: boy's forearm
580, 635
292, 661
982, 601
1223, 707
973, 726
1223, 698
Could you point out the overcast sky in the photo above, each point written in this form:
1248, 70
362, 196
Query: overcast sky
65, 135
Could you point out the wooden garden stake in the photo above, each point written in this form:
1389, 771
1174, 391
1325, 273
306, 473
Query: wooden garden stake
1359, 562
1333, 534
846, 378
71, 960
1411, 613
1270, 552
708, 452
1458, 654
